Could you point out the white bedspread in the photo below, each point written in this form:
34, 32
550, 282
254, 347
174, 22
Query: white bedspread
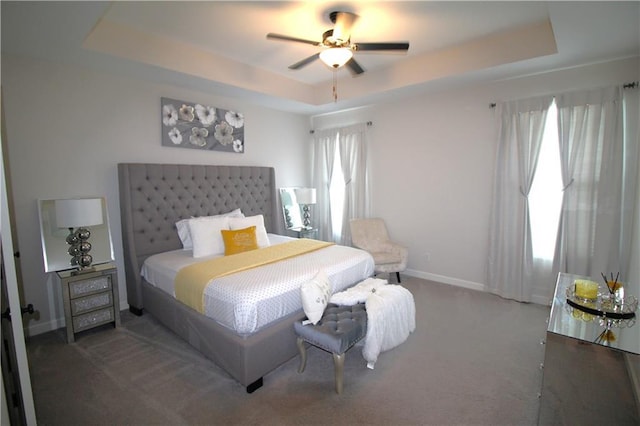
391, 314
249, 300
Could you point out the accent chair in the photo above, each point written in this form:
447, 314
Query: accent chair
371, 235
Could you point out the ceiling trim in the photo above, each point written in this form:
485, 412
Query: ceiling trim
526, 42
125, 42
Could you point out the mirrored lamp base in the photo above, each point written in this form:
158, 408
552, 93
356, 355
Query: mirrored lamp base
79, 248
306, 216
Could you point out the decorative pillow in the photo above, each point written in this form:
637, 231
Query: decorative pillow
257, 221
183, 227
315, 296
239, 240
206, 235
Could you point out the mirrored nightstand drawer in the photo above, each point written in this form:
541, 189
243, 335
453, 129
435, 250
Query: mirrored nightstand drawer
84, 287
90, 303
92, 319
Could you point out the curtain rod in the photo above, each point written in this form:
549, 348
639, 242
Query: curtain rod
631, 85
368, 123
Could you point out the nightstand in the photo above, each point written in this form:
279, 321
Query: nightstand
90, 299
306, 232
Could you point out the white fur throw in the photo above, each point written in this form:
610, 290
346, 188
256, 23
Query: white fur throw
358, 293
391, 314
391, 317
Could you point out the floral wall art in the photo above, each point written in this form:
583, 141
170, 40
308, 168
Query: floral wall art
189, 125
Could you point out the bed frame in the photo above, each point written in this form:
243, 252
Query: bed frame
153, 197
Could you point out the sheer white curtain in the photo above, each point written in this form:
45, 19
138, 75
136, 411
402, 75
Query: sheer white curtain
599, 162
510, 263
631, 129
324, 149
353, 154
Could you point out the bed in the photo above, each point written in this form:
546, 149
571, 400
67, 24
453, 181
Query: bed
153, 197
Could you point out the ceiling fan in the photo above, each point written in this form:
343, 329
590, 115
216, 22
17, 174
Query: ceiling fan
337, 48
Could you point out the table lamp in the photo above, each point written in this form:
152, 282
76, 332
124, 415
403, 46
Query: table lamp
76, 215
306, 197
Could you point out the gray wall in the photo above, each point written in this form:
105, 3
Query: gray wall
432, 157
432, 165
68, 127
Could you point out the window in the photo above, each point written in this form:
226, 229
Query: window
340, 171
545, 197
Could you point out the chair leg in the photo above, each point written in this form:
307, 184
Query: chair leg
338, 363
303, 354
398, 276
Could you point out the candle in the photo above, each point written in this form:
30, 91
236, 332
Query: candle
586, 289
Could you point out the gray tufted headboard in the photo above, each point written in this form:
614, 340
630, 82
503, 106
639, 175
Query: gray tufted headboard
153, 197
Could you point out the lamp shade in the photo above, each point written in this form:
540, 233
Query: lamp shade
77, 212
306, 195
335, 57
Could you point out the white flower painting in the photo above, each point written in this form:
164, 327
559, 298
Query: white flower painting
197, 126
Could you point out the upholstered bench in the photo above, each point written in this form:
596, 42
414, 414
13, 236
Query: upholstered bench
339, 328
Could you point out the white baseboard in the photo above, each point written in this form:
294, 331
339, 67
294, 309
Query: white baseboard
446, 280
536, 298
44, 327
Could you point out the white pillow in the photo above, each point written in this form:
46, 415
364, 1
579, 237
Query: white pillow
207, 236
315, 296
183, 227
257, 221
183, 233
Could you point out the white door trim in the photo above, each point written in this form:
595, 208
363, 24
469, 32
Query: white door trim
14, 300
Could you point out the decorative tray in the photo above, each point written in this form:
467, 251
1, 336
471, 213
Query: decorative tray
605, 306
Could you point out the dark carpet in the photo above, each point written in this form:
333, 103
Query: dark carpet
474, 359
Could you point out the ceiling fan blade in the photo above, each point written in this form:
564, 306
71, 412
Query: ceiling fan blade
343, 23
273, 36
304, 62
354, 67
401, 45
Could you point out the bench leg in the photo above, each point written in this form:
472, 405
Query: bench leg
338, 363
303, 354
398, 276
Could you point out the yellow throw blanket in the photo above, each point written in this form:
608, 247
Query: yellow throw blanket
191, 280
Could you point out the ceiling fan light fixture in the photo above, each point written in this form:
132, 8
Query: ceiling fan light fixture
335, 57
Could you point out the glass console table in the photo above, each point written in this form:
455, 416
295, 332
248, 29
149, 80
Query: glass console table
589, 379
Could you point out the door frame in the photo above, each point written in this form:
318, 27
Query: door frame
13, 294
